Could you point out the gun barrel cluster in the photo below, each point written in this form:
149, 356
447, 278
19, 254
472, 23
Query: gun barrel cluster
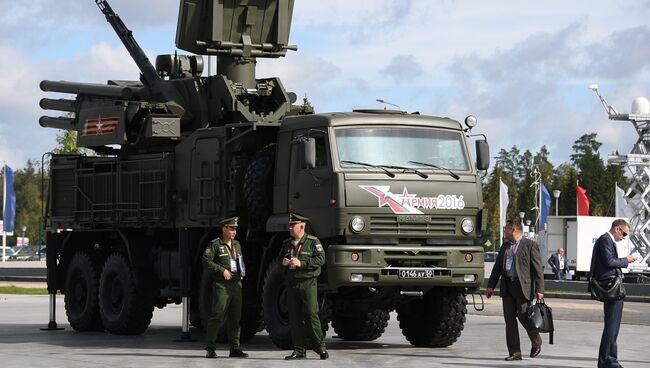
102, 90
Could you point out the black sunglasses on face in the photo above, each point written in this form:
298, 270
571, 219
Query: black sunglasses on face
623, 232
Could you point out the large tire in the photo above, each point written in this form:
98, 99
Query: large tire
258, 189
81, 293
358, 323
248, 323
274, 306
437, 320
124, 309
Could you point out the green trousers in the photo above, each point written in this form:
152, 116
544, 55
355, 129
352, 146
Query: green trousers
302, 300
226, 302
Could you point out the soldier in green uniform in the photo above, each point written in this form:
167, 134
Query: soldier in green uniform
303, 258
223, 259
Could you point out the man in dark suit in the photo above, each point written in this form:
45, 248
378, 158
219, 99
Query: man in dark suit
606, 263
519, 266
559, 264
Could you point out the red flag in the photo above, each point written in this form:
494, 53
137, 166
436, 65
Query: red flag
583, 201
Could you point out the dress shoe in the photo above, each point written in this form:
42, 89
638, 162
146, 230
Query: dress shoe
211, 354
535, 350
295, 356
237, 353
513, 357
323, 355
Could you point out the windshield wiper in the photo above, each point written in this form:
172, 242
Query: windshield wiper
453, 174
408, 169
370, 165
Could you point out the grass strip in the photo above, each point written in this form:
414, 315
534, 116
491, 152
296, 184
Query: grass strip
22, 290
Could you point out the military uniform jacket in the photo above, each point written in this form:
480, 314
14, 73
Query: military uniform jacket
311, 256
216, 258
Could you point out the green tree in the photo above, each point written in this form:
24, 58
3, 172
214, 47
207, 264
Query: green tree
591, 170
27, 184
67, 142
545, 166
565, 181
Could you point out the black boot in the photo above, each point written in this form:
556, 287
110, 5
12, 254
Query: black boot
237, 353
324, 355
211, 354
295, 356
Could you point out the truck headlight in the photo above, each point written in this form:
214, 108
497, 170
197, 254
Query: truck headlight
467, 225
357, 224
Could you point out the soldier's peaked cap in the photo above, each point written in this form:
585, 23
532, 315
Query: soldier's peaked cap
295, 218
230, 221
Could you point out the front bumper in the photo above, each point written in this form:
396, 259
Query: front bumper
386, 265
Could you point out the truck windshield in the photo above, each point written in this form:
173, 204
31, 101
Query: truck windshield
399, 146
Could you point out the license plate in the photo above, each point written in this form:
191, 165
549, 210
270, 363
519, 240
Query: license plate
415, 274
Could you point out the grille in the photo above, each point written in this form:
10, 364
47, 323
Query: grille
416, 225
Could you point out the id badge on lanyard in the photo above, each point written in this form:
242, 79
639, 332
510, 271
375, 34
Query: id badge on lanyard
509, 259
233, 260
510, 255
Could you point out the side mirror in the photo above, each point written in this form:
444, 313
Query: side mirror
308, 150
482, 155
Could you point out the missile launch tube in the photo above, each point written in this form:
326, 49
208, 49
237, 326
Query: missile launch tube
57, 123
60, 104
103, 90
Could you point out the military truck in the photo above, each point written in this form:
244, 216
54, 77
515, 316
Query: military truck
394, 197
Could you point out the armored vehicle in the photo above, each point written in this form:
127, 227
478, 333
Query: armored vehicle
394, 197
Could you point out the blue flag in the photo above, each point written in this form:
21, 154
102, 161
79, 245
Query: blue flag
545, 206
9, 206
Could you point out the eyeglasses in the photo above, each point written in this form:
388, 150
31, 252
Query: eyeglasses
623, 232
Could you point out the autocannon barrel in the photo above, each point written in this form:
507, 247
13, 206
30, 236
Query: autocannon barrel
103, 90
60, 104
57, 123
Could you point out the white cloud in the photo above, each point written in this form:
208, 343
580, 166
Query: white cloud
303, 74
403, 69
521, 67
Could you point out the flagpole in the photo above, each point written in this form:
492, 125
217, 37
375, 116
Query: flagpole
539, 212
4, 203
615, 199
577, 208
500, 214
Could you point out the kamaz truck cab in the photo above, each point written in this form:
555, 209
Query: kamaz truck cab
397, 201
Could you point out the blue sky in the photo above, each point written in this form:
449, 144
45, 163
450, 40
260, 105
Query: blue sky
521, 67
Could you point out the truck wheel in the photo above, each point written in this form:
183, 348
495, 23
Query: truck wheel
274, 306
258, 188
81, 293
435, 321
248, 329
123, 309
360, 325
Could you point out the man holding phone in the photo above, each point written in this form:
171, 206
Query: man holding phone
303, 256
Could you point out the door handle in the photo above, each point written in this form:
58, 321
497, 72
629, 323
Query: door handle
296, 195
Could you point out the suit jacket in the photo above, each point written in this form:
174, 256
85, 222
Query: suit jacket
605, 260
528, 265
554, 261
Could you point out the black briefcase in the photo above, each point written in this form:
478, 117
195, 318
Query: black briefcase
539, 316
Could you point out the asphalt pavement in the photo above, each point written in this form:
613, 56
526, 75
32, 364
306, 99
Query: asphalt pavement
482, 343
